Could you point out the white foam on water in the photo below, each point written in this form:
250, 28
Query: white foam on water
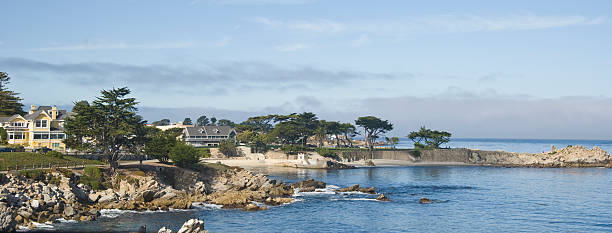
331, 186
46, 225
201, 205
357, 193
113, 213
63, 220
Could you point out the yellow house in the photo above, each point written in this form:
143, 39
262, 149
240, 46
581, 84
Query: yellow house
41, 127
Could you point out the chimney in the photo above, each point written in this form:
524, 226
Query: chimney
53, 113
32, 109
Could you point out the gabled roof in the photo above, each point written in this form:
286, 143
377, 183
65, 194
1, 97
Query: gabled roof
45, 108
34, 115
8, 119
209, 130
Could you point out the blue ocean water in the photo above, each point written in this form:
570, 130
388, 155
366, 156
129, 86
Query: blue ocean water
515, 145
466, 199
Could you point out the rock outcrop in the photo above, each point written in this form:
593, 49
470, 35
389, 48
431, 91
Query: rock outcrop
191, 226
7, 219
356, 188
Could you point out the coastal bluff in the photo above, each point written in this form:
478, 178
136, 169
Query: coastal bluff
571, 156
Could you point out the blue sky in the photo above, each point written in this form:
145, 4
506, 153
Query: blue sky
535, 69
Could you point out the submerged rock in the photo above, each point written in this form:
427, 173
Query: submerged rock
253, 207
369, 163
424, 201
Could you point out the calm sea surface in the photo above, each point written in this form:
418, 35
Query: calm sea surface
515, 145
467, 199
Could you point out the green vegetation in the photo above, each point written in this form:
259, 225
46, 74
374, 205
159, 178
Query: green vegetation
204, 152
183, 155
202, 121
93, 177
110, 120
55, 154
187, 121
291, 149
3, 136
226, 122
326, 152
160, 144
431, 138
162, 122
27, 159
9, 102
228, 148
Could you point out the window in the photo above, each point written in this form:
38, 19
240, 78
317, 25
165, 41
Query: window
55, 145
41, 123
41, 135
17, 124
16, 135
57, 136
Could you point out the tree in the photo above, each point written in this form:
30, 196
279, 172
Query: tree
142, 137
373, 127
226, 122
228, 148
160, 144
108, 126
349, 131
184, 155
213, 121
3, 136
321, 132
9, 102
187, 121
162, 122
392, 141
335, 128
431, 138
202, 121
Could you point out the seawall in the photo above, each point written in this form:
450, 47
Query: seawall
456, 155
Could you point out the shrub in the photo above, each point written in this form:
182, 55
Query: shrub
55, 154
3, 136
292, 149
37, 175
416, 153
17, 147
183, 155
92, 176
228, 148
204, 152
325, 152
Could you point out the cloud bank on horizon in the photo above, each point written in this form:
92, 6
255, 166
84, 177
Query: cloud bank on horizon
477, 69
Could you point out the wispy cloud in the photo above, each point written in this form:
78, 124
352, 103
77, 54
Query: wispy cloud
291, 47
104, 45
317, 25
434, 24
210, 76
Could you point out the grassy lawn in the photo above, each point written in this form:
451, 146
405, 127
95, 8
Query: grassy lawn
21, 159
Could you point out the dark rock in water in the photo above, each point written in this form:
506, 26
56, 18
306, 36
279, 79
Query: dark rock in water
424, 201
369, 163
142, 229
309, 184
336, 165
307, 189
382, 197
356, 188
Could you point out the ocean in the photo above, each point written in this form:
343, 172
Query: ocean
465, 199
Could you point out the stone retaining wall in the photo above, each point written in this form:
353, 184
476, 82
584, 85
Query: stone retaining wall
437, 155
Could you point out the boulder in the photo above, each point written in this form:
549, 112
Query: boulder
148, 195
35, 204
109, 197
7, 219
382, 197
69, 211
164, 230
193, 226
369, 163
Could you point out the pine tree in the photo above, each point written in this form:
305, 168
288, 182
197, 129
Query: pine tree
9, 102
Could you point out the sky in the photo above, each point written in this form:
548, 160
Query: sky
513, 69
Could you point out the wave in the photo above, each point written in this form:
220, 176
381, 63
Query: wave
202, 205
37, 226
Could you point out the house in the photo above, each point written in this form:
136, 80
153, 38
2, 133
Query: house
171, 126
41, 127
201, 136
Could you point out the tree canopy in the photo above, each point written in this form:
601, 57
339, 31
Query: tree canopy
373, 127
202, 121
9, 102
431, 138
108, 126
187, 121
162, 122
226, 122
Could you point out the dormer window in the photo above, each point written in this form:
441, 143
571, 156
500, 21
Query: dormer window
217, 130
41, 124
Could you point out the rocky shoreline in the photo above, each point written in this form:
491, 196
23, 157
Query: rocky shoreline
56, 195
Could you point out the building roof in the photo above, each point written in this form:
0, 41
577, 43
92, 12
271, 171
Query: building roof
10, 118
209, 130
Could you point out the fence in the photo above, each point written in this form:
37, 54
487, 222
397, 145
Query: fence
33, 166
